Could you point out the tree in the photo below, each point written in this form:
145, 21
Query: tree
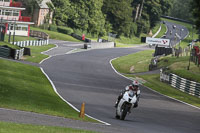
87, 16
153, 9
166, 5
62, 11
119, 15
181, 9
196, 12
96, 18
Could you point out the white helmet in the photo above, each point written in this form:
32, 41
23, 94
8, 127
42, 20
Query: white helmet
135, 83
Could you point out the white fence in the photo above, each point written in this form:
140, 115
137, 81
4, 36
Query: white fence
31, 43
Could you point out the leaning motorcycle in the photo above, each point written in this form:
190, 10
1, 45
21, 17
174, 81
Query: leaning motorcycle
125, 104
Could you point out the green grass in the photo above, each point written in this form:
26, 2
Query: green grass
25, 87
9, 45
179, 66
127, 42
156, 28
36, 55
18, 38
56, 35
154, 83
162, 32
139, 61
26, 128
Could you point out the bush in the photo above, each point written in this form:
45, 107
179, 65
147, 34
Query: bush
44, 26
65, 30
53, 28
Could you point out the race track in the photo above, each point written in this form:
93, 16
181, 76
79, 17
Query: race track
88, 77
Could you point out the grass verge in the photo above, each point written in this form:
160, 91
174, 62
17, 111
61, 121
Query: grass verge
9, 45
133, 63
25, 128
163, 88
25, 87
36, 55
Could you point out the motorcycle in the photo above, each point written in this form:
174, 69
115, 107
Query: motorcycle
125, 104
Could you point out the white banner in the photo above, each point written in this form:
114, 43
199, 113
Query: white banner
157, 41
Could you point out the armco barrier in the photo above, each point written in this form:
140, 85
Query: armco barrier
8, 52
97, 45
184, 85
4, 52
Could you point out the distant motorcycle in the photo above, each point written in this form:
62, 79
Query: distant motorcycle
125, 104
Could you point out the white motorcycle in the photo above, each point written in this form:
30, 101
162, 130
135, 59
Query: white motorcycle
125, 104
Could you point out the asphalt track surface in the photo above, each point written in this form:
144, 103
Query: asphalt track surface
172, 33
88, 77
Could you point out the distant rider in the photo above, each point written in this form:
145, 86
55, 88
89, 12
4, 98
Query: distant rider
135, 88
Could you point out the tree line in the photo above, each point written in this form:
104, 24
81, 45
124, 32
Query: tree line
122, 17
99, 17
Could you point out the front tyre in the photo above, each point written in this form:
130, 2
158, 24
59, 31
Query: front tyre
124, 112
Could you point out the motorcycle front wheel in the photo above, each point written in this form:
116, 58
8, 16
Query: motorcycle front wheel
124, 112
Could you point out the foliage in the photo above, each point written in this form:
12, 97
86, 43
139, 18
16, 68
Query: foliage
61, 12
53, 27
166, 5
181, 9
196, 12
119, 15
127, 18
153, 9
64, 30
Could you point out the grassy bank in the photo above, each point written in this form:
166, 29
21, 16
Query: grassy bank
36, 55
56, 35
25, 128
9, 45
24, 87
179, 66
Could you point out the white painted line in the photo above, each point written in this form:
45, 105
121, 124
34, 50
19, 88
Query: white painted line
152, 89
45, 59
47, 54
157, 32
52, 84
174, 98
